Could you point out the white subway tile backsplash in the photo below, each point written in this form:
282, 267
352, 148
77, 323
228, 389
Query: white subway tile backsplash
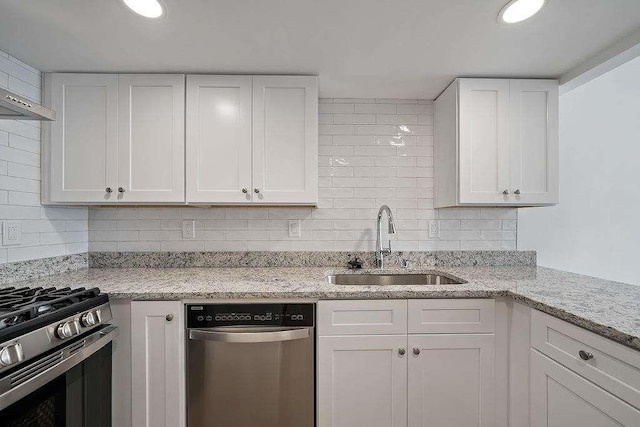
375, 108
371, 152
354, 119
336, 108
375, 130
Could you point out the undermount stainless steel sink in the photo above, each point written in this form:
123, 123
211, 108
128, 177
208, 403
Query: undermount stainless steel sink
394, 279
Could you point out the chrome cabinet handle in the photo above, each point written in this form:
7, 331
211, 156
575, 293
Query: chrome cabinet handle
401, 351
516, 192
505, 192
169, 317
120, 190
108, 190
256, 190
245, 191
585, 355
416, 351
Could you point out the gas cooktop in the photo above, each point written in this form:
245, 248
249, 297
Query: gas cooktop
26, 309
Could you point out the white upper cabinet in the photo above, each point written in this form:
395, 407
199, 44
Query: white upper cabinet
151, 138
252, 140
118, 139
496, 143
80, 161
247, 140
484, 140
285, 139
533, 141
219, 139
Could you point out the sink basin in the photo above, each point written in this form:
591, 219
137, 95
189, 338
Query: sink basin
394, 279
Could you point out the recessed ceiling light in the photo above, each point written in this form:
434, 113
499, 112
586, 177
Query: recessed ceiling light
519, 10
146, 8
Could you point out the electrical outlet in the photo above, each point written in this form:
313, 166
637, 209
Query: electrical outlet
188, 230
434, 229
11, 233
294, 228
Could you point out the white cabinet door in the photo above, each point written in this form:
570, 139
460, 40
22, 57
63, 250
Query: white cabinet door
157, 364
533, 141
81, 160
451, 380
362, 381
219, 139
285, 140
561, 398
151, 138
483, 141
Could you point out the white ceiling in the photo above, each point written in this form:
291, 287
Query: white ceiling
359, 48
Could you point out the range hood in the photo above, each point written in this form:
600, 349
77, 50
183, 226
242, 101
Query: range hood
13, 106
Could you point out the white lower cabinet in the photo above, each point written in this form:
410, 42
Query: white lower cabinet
580, 378
380, 379
451, 380
362, 381
157, 364
561, 398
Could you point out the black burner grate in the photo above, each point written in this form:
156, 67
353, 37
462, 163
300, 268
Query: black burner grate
21, 307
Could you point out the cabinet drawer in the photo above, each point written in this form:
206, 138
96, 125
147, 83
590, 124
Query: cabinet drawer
613, 366
375, 317
451, 316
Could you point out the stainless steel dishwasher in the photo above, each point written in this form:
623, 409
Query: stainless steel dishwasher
251, 365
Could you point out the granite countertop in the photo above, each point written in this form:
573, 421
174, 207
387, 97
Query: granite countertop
608, 308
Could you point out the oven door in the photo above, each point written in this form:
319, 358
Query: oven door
67, 387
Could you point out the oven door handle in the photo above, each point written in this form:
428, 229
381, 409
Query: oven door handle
35, 375
250, 337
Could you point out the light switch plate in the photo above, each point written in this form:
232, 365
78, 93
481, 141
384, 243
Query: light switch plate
434, 229
11, 233
188, 230
294, 228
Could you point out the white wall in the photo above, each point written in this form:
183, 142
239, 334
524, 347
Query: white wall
47, 232
372, 152
596, 228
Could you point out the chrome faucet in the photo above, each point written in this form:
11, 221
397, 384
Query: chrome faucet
380, 251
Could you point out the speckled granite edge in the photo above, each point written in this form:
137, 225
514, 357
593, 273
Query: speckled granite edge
33, 269
590, 325
306, 259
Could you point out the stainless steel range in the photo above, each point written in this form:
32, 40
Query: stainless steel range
55, 357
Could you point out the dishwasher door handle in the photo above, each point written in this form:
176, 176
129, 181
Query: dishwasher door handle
250, 337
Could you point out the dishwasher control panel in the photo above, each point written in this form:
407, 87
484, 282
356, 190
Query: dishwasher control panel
214, 315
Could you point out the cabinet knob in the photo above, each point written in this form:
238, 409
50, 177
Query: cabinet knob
585, 355
256, 190
120, 190
245, 191
169, 317
516, 192
401, 351
108, 190
416, 351
505, 192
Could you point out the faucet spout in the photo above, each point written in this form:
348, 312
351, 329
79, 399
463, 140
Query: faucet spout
380, 250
